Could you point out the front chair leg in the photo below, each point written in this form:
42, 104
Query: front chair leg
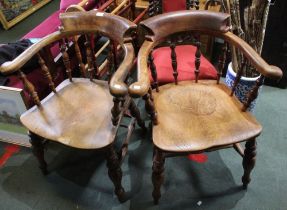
157, 174
249, 160
136, 114
38, 151
115, 172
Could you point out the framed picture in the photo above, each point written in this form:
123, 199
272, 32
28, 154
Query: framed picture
12, 105
13, 11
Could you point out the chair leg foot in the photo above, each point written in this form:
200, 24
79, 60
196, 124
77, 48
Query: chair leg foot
115, 173
38, 151
249, 160
157, 174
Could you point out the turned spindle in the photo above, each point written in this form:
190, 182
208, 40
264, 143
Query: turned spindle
66, 59
221, 62
79, 57
89, 53
174, 61
153, 71
197, 60
46, 72
30, 88
110, 61
253, 94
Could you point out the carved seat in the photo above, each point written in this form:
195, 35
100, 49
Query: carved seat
80, 110
200, 115
85, 110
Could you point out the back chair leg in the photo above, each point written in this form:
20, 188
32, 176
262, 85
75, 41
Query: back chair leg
136, 114
157, 174
249, 160
38, 151
115, 172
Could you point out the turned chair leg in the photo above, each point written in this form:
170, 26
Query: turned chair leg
248, 161
157, 174
115, 172
38, 151
136, 114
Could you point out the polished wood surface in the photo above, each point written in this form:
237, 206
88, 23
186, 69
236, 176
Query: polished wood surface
82, 103
194, 117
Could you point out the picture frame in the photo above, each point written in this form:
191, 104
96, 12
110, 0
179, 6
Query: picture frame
12, 105
12, 12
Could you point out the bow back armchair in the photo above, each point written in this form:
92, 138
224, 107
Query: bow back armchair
83, 111
198, 115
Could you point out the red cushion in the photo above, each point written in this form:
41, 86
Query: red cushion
185, 64
173, 5
48, 26
65, 3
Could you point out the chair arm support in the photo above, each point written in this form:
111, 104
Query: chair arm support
141, 87
118, 87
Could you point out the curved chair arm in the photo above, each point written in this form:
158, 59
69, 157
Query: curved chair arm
141, 87
118, 87
211, 23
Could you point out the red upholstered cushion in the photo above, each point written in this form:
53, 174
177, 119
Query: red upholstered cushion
48, 26
173, 5
185, 64
65, 3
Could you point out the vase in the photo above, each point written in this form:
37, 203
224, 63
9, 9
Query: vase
244, 86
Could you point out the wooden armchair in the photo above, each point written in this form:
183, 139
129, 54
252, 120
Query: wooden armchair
200, 115
84, 112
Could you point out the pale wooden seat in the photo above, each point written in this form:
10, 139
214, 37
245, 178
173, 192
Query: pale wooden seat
78, 115
198, 116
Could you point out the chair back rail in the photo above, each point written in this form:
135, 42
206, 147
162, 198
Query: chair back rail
160, 27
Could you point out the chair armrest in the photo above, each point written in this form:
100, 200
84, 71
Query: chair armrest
141, 87
272, 72
118, 88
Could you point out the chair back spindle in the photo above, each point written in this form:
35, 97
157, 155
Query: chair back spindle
153, 71
174, 61
197, 60
111, 63
66, 59
91, 69
79, 58
221, 62
29, 87
93, 38
46, 72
